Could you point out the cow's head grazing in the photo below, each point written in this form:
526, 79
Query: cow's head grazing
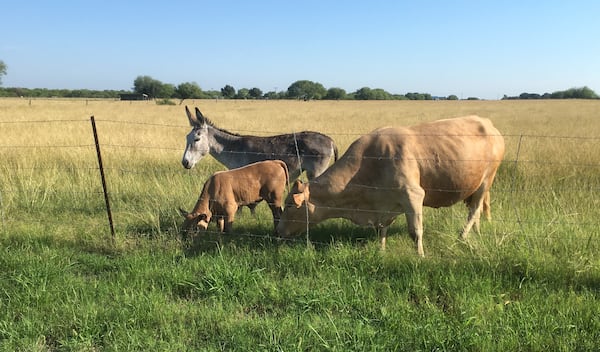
297, 210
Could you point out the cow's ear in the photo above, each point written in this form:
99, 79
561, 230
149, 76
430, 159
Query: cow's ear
298, 199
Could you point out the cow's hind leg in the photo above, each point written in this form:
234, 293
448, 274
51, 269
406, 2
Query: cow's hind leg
383, 235
413, 209
487, 208
475, 205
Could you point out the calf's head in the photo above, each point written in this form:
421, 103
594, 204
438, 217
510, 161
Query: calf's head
194, 220
294, 217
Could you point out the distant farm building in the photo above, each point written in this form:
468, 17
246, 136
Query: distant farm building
133, 96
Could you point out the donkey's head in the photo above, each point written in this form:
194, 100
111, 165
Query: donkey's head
197, 144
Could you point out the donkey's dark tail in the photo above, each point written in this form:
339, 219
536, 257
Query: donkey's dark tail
335, 152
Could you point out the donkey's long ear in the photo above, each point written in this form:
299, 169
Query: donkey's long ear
199, 117
193, 121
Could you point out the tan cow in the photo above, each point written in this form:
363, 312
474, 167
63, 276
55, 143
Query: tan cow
395, 170
225, 191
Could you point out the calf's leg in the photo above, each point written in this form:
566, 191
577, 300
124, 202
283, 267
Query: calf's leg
277, 211
221, 223
230, 211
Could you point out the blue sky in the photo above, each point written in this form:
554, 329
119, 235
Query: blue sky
468, 48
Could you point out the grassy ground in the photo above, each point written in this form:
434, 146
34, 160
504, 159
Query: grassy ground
530, 281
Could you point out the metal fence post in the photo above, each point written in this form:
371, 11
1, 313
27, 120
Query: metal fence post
104, 188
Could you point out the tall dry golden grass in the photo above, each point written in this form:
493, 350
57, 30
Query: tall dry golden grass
343, 120
549, 139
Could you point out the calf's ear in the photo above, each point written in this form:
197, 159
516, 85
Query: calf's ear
183, 212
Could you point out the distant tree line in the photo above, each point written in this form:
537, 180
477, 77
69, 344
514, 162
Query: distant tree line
301, 90
155, 89
61, 93
573, 93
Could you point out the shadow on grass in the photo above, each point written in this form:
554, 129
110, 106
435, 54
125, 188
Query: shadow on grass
321, 237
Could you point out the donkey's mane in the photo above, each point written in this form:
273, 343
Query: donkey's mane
212, 124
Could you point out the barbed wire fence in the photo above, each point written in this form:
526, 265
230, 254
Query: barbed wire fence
577, 183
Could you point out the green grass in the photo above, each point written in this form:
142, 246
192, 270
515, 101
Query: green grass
249, 295
530, 281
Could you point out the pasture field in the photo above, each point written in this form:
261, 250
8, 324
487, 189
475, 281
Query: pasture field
530, 281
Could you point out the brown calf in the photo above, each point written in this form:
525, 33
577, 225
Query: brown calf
225, 191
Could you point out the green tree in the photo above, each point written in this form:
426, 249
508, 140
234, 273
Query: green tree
243, 93
166, 91
579, 93
188, 90
380, 94
305, 89
228, 92
366, 93
587, 93
275, 95
255, 93
419, 96
149, 86
452, 97
363, 93
335, 94
2, 70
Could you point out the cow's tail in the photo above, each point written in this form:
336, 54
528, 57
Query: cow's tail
287, 173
